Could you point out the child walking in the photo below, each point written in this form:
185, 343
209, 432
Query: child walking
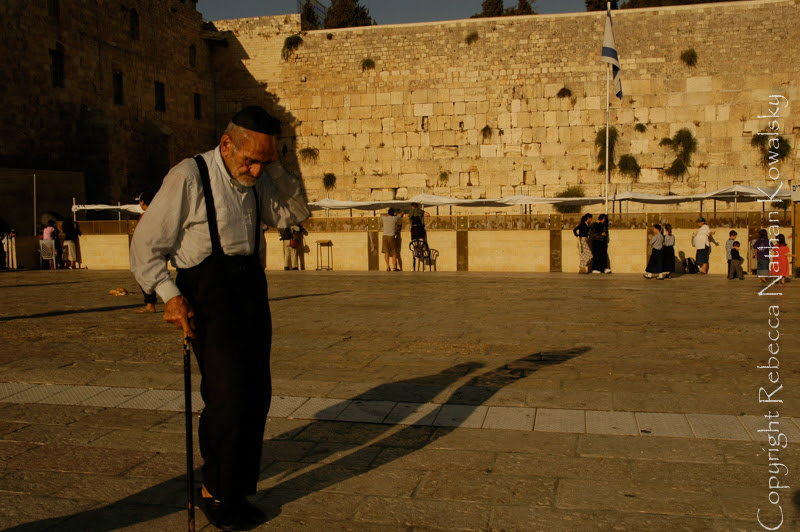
735, 269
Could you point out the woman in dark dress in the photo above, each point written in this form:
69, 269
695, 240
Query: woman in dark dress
599, 240
655, 266
669, 250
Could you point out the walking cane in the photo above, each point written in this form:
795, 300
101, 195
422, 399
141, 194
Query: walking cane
187, 384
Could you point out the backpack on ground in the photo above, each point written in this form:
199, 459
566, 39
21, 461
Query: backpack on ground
689, 266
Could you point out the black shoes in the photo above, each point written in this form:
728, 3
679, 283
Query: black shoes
238, 515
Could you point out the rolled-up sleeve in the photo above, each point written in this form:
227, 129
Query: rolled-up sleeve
282, 197
158, 234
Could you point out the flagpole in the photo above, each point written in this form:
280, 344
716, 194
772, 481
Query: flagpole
610, 57
608, 169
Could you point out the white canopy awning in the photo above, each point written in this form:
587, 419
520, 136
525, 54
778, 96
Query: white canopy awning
129, 208
734, 193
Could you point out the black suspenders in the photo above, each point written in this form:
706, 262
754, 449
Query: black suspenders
211, 211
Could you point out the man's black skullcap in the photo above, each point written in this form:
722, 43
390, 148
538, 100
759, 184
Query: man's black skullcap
257, 119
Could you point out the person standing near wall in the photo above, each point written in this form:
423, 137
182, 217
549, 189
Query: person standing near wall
50, 232
701, 240
655, 266
669, 251
72, 232
761, 245
780, 265
599, 238
5, 229
292, 238
581, 232
728, 246
391, 228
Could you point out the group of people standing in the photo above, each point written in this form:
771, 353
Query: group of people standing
662, 256
392, 225
772, 257
66, 249
593, 244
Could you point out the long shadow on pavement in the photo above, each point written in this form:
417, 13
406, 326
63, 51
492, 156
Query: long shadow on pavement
378, 445
55, 313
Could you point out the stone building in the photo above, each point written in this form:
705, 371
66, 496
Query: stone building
478, 108
118, 90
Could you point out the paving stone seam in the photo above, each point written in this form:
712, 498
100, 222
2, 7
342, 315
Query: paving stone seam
604, 422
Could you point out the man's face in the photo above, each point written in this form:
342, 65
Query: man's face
246, 161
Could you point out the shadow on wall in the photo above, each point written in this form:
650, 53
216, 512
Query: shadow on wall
236, 88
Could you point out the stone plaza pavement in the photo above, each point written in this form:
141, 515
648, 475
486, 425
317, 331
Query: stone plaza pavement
417, 401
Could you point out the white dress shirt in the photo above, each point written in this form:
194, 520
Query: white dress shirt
701, 239
176, 224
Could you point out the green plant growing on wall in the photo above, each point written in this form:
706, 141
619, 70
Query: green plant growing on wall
684, 145
773, 148
600, 144
329, 181
443, 178
640, 128
309, 155
486, 132
689, 57
291, 44
564, 93
782, 204
574, 191
629, 166
472, 37
367, 64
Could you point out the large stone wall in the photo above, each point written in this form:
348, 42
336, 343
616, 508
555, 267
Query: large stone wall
121, 148
390, 132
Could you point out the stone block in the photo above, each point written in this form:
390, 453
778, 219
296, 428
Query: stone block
531, 149
445, 152
553, 149
423, 109
699, 84
640, 86
489, 150
547, 177
388, 125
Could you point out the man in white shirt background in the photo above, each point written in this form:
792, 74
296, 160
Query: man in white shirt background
702, 244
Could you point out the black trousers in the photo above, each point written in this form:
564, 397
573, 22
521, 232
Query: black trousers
149, 299
234, 332
599, 255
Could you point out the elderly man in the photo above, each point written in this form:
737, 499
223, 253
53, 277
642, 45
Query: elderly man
207, 217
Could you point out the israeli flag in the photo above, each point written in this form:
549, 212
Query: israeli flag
610, 54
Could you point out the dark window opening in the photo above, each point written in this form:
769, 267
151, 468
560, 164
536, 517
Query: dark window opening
57, 65
119, 95
134, 25
198, 106
192, 56
53, 8
161, 100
